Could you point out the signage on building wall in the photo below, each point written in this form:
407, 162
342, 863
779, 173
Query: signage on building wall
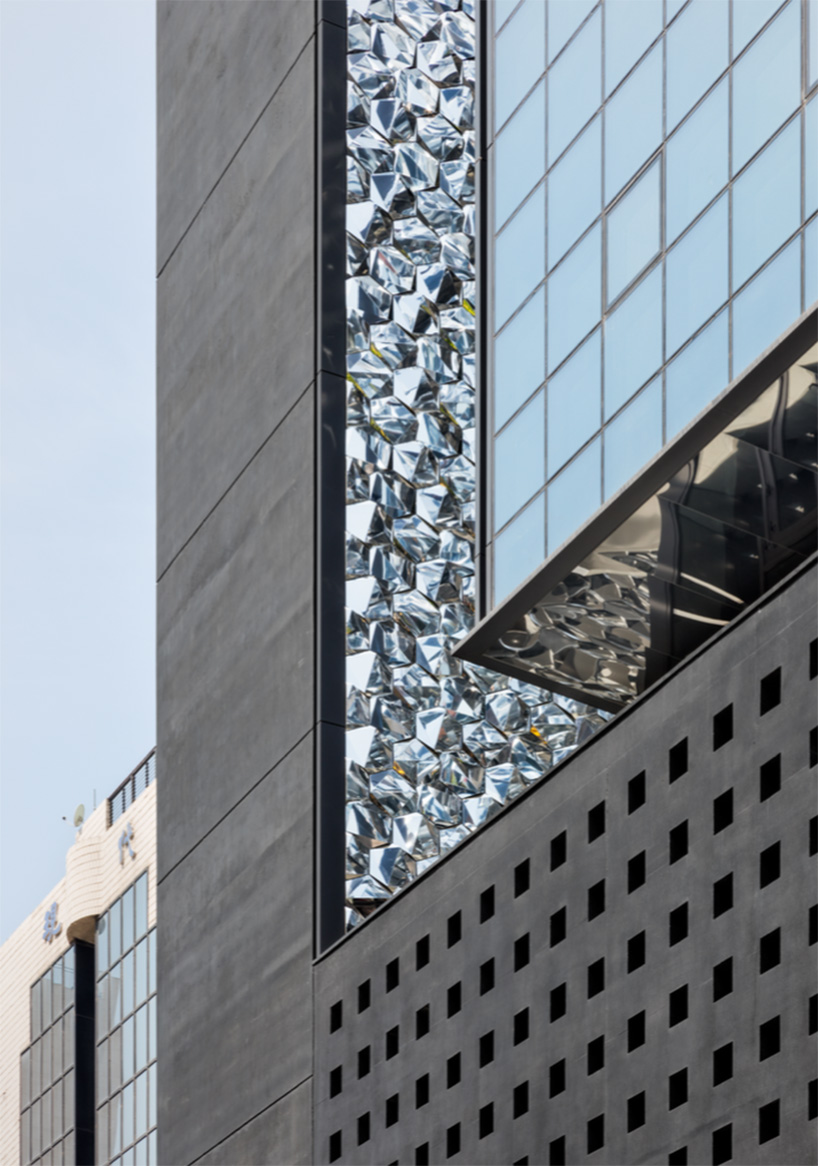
50, 925
125, 839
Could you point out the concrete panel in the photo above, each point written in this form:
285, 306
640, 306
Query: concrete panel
235, 313
279, 1136
235, 605
235, 1019
218, 65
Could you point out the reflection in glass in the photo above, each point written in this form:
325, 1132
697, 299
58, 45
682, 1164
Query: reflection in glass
519, 359
115, 1059
56, 1050
519, 156
103, 1022
46, 1055
127, 1114
633, 438
141, 1122
519, 461
633, 123
152, 1028
152, 1096
127, 966
767, 203
115, 1123
128, 1048
141, 1152
25, 1137
102, 1071
115, 930
696, 280
574, 403
696, 158
141, 1042
127, 918
633, 341
574, 194
115, 995
141, 955
574, 495
574, 87
634, 231
767, 306
520, 549
102, 1133
102, 944
564, 17
629, 29
56, 1111
811, 157
519, 257
696, 55
766, 84
519, 58
45, 1117
573, 305
141, 904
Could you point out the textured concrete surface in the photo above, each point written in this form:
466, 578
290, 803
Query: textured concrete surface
278, 1136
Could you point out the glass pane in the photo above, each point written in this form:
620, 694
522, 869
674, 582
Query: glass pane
127, 1114
46, 999
574, 191
141, 1120
141, 1037
128, 919
25, 1079
56, 1111
152, 967
520, 257
696, 281
152, 1028
103, 994
633, 123
127, 966
697, 161
36, 1140
128, 1049
45, 1118
748, 17
102, 1071
629, 29
502, 10
519, 58
152, 1095
115, 1059
519, 156
633, 438
574, 495
36, 1065
633, 342
57, 998
811, 264
767, 306
518, 551
574, 403
141, 905
115, 930
767, 203
141, 956
634, 231
69, 1157
68, 1040
564, 17
519, 461
811, 158
68, 1098
102, 1134
573, 304
46, 1054
519, 359
673, 7
152, 1148
574, 88
115, 1123
36, 1009
115, 995
812, 44
25, 1138
68, 976
141, 1152
56, 1050
696, 55
766, 84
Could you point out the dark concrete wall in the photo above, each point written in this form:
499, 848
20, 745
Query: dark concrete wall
236, 623
776, 634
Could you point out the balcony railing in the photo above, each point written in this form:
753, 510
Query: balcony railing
137, 780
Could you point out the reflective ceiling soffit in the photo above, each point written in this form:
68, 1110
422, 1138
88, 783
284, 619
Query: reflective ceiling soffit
435, 746
722, 514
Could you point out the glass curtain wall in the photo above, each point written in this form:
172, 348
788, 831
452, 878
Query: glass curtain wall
47, 1069
654, 189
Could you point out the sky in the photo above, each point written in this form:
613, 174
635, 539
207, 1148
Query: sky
77, 411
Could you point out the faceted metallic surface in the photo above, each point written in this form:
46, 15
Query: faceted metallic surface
435, 746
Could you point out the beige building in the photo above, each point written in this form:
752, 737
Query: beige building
78, 998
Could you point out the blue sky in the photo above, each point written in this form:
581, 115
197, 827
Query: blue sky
77, 231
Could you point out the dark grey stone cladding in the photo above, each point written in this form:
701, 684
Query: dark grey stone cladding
716, 823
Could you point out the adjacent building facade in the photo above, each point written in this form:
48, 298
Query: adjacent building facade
487, 580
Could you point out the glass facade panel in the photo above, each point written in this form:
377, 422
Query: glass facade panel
574, 192
141, 904
748, 17
574, 293
574, 495
767, 306
141, 1041
517, 552
634, 230
519, 58
141, 960
115, 931
574, 87
629, 29
520, 256
574, 403
520, 151
102, 943
519, 453
811, 158
128, 919
696, 279
68, 977
633, 342
697, 160
811, 264
141, 1099
633, 123
564, 17
766, 84
636, 430
812, 44
767, 203
519, 359
128, 1049
696, 55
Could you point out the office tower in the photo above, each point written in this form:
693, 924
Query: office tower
552, 438
78, 985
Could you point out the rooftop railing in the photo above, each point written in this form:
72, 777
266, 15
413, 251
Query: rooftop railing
137, 780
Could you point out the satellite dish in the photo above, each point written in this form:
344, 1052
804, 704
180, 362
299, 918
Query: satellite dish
79, 815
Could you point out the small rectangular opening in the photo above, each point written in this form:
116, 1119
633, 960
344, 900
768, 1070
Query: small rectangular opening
521, 1026
392, 1042
723, 979
813, 835
559, 849
636, 951
636, 1112
596, 977
556, 1151
723, 1064
336, 1016
486, 977
454, 999
723, 811
596, 821
454, 929
769, 1122
636, 871
636, 1031
769, 865
677, 842
595, 1139
363, 1129
813, 659
392, 974
364, 995
677, 1089
453, 1071
677, 760
422, 954
486, 904
558, 1001
596, 1055
722, 895
596, 899
335, 1146
769, 1038
770, 778
486, 1049
485, 1120
422, 1155
521, 952
556, 1078
364, 1061
522, 878
636, 792
723, 727
677, 1006
422, 1091
812, 1014
678, 1157
336, 1078
769, 951
770, 693
520, 1099
391, 1110
722, 1144
558, 926
422, 1021
453, 1140
678, 924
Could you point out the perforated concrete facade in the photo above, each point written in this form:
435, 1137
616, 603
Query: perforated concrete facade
621, 968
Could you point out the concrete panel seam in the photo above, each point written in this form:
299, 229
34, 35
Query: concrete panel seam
234, 155
232, 1133
238, 476
243, 797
